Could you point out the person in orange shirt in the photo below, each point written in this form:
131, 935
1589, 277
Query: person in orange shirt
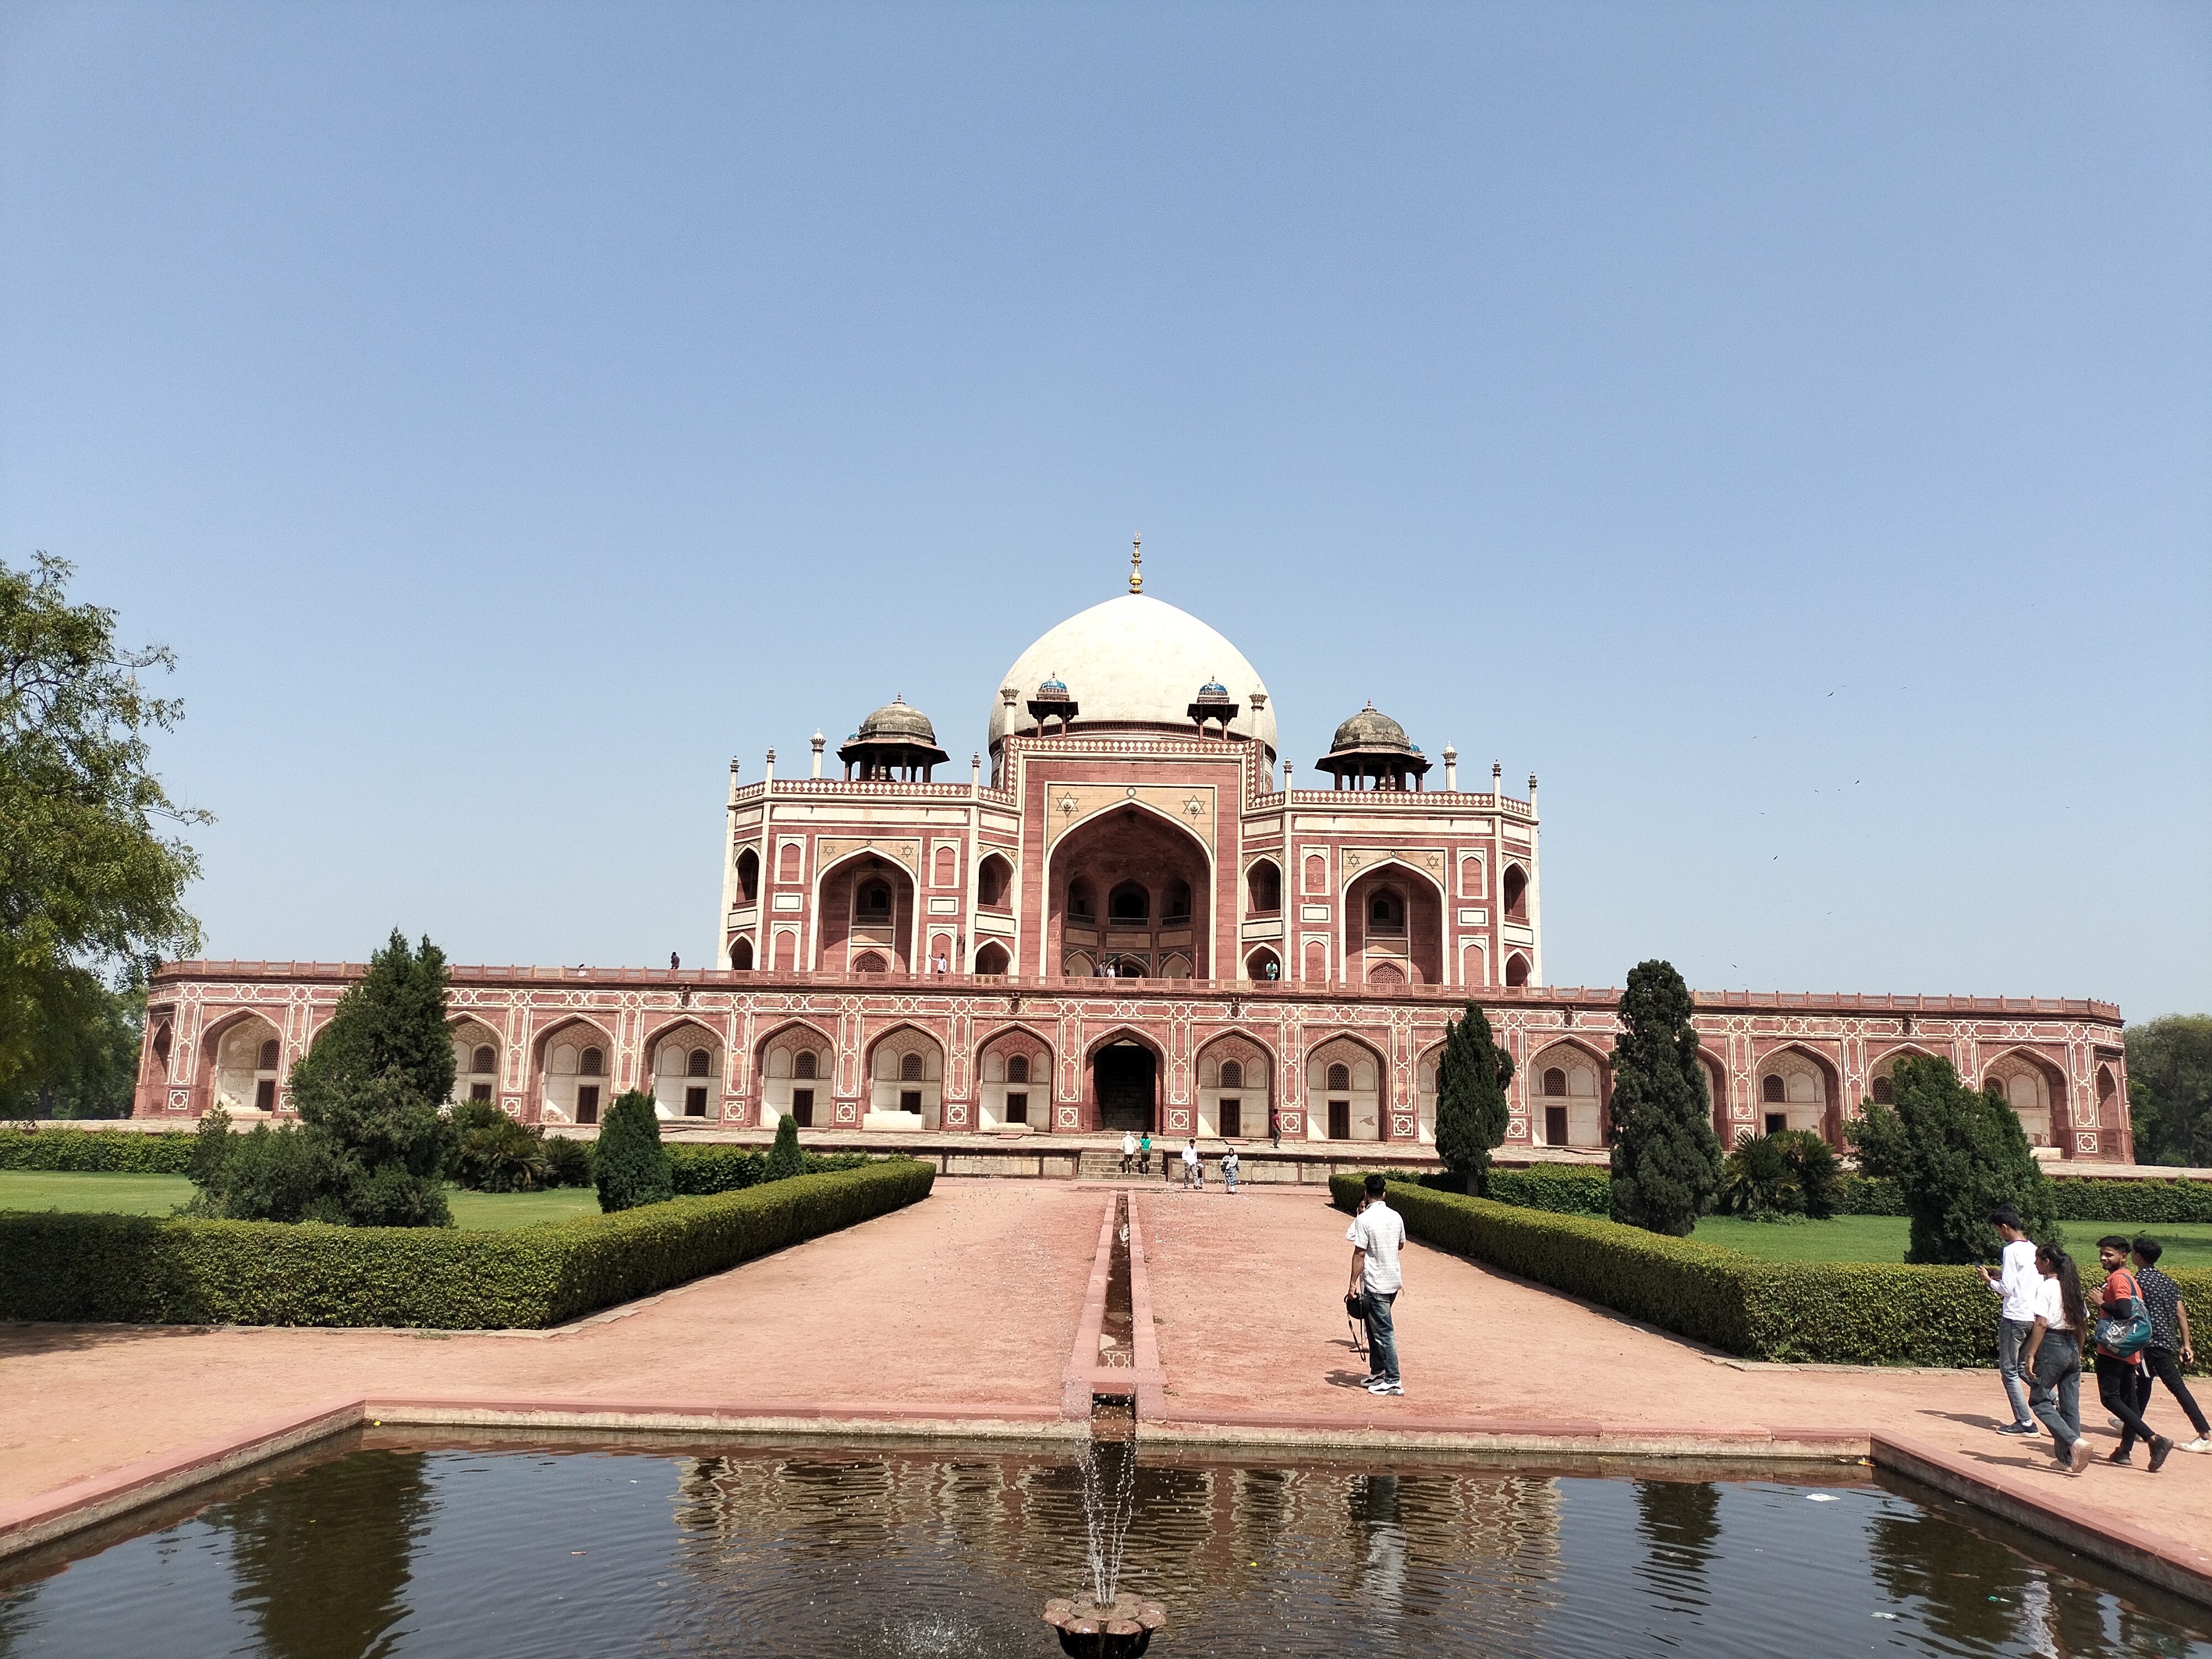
2117, 1372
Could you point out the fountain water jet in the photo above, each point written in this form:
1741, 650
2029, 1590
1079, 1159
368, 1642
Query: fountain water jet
1110, 1625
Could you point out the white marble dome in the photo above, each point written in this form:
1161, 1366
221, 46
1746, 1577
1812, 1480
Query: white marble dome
1135, 660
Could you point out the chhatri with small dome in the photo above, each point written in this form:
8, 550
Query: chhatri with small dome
1126, 916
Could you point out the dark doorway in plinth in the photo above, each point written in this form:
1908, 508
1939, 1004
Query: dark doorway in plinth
1122, 1077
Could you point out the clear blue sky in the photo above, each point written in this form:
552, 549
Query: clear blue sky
1785, 429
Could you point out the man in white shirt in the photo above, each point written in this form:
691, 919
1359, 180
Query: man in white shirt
1192, 1175
2016, 1280
1128, 1150
1376, 1234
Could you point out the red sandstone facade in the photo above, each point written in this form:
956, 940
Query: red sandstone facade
1129, 925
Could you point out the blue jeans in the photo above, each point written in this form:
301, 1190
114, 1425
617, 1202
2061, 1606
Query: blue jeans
1381, 1340
2012, 1337
2056, 1396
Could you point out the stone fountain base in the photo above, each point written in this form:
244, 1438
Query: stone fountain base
1121, 1629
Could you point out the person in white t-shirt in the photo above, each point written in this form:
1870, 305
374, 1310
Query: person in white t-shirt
1194, 1172
1376, 1234
1128, 1150
2017, 1281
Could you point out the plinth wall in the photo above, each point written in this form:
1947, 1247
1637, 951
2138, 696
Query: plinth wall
1829, 1051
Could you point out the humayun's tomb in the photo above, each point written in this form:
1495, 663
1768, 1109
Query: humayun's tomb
1129, 923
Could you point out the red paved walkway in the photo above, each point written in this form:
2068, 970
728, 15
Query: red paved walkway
970, 1296
1248, 1294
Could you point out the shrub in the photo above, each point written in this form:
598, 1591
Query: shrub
629, 1165
1956, 1154
370, 1092
1781, 1176
1851, 1313
1666, 1159
138, 1269
1865, 1195
784, 1159
493, 1154
1471, 1110
97, 1151
273, 1172
567, 1162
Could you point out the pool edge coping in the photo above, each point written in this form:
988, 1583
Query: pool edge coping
2159, 1559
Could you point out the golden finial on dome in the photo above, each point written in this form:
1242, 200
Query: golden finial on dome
1136, 560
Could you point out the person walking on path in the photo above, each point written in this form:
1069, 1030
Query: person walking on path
1194, 1172
1229, 1168
1376, 1234
1274, 1126
2117, 1372
2053, 1356
2170, 1339
2017, 1282
1128, 1150
1144, 1154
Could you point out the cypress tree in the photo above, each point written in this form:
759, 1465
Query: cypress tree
1471, 1111
1956, 1153
371, 1092
784, 1159
630, 1166
1666, 1157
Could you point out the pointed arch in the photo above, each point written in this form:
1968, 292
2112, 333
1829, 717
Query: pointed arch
1354, 1103
1235, 1073
1795, 1086
2036, 1090
479, 1053
1009, 1094
563, 1083
784, 1057
841, 932
685, 1059
1155, 851
231, 1073
1569, 1082
904, 1077
1124, 1090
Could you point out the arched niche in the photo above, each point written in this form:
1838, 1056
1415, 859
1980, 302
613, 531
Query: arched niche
906, 1081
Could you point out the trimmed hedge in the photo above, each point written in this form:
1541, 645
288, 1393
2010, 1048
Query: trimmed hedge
2142, 1203
97, 1151
1586, 1189
701, 1171
140, 1270
1845, 1313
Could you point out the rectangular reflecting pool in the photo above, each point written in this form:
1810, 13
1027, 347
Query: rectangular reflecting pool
384, 1545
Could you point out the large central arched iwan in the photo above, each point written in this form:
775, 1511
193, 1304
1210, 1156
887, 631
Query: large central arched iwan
1131, 893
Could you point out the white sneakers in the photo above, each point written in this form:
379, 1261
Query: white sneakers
1385, 1385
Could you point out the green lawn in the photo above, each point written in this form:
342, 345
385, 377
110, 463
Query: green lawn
142, 1194
1882, 1238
